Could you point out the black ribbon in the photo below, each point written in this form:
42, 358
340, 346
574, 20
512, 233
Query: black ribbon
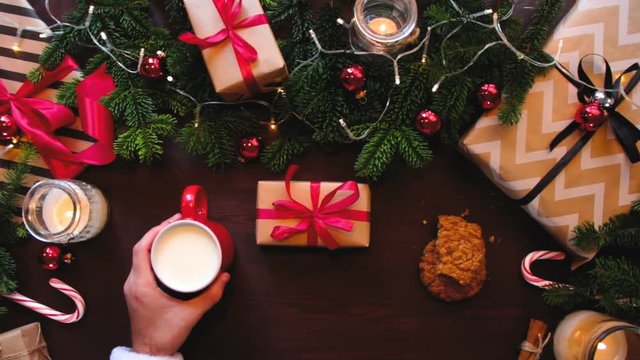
625, 131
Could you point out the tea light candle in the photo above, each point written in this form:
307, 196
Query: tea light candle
383, 26
580, 331
64, 211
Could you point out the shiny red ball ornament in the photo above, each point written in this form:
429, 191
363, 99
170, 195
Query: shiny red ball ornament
353, 77
151, 66
249, 148
591, 116
50, 257
489, 96
8, 127
428, 122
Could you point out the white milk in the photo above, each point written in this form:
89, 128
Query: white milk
185, 256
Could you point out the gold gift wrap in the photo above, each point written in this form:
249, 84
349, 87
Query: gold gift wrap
24, 343
271, 191
600, 181
269, 69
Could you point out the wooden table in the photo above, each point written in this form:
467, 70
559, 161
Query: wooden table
285, 303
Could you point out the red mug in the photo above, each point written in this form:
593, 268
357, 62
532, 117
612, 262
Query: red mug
194, 206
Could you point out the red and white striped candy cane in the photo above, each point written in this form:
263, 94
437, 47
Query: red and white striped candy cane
49, 312
525, 267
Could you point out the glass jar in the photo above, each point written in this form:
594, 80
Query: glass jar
64, 211
589, 335
384, 26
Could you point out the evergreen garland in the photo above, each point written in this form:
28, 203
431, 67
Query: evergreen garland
611, 283
12, 231
148, 111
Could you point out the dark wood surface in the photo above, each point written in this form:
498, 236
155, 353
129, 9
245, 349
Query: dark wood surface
285, 303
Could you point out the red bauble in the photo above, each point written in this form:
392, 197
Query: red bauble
50, 256
353, 77
591, 116
249, 148
428, 122
8, 127
489, 96
151, 66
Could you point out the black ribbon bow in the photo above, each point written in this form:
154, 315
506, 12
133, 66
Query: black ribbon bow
625, 131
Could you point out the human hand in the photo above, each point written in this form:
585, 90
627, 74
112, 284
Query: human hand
160, 323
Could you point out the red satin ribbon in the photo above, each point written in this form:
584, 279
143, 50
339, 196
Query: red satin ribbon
39, 118
245, 53
317, 220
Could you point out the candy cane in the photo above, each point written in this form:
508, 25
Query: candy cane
525, 267
49, 312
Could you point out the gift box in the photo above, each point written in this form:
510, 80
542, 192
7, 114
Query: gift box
24, 343
240, 52
596, 181
18, 56
321, 214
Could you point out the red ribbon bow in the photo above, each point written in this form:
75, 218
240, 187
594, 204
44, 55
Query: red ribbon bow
317, 220
39, 118
245, 53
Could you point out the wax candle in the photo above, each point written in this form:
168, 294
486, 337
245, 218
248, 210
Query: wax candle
383, 26
580, 332
64, 211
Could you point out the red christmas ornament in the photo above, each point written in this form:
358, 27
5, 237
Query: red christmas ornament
151, 66
249, 148
52, 257
353, 77
428, 122
8, 127
489, 96
591, 116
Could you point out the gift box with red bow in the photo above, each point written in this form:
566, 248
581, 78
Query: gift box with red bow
565, 162
238, 46
64, 141
316, 214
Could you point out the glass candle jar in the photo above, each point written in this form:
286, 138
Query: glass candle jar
64, 211
384, 26
589, 335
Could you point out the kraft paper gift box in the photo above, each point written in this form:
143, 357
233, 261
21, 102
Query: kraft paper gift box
269, 68
600, 181
273, 191
13, 69
24, 343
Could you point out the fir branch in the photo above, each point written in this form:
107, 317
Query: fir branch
622, 230
377, 154
278, 155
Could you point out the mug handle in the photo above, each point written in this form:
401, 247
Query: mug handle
194, 203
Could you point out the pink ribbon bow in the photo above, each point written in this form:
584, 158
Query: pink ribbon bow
245, 53
317, 220
39, 118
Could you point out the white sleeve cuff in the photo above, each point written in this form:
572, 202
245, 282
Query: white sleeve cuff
125, 353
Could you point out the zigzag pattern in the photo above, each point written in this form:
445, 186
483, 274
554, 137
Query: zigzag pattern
600, 182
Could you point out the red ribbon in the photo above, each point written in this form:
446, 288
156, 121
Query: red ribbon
245, 53
39, 118
317, 220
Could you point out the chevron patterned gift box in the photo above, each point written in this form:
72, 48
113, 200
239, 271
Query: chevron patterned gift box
600, 181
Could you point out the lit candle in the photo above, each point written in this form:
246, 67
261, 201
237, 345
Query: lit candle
57, 210
576, 335
383, 26
63, 211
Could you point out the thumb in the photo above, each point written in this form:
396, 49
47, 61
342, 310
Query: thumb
213, 294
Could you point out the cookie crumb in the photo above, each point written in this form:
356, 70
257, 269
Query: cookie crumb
424, 222
492, 239
466, 212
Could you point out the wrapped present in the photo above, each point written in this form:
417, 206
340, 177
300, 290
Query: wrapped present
559, 161
303, 213
238, 46
24, 343
66, 143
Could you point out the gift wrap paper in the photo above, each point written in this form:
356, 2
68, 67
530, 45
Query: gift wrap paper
600, 181
270, 191
13, 69
24, 343
269, 69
